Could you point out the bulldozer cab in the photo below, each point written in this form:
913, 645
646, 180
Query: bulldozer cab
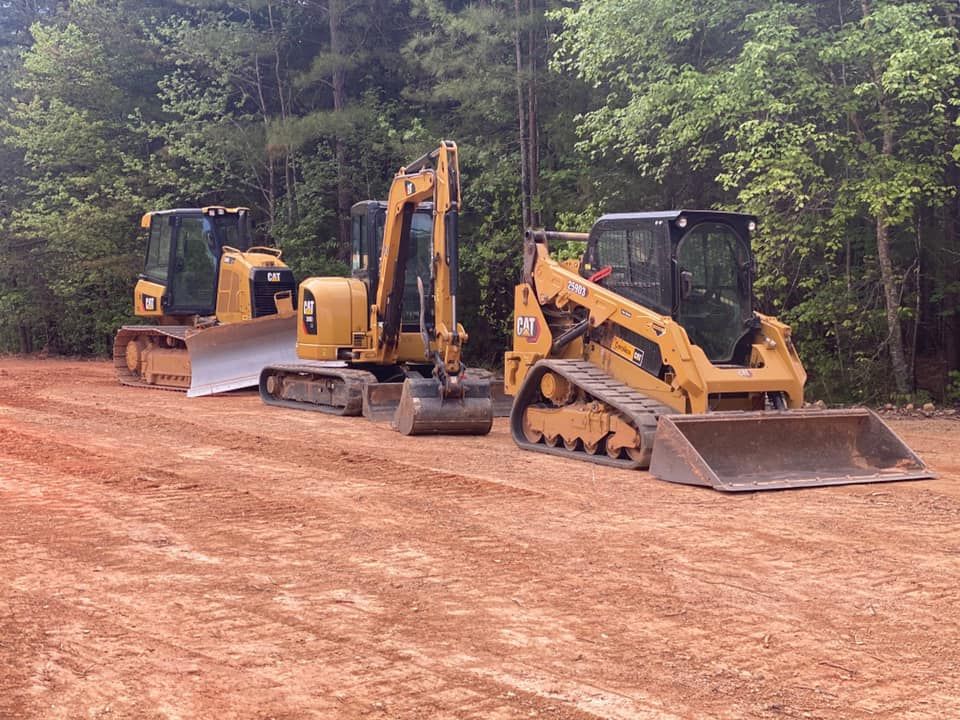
183, 253
694, 266
368, 219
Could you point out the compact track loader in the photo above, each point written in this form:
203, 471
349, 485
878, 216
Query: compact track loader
222, 308
648, 353
386, 343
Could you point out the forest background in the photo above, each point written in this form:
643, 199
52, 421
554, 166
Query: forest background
835, 122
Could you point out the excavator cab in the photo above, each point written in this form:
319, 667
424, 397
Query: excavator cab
367, 221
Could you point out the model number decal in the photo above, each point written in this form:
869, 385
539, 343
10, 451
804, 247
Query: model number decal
576, 288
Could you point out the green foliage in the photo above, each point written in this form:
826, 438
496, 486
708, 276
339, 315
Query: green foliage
825, 119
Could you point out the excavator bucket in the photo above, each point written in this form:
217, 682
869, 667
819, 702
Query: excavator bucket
423, 409
743, 451
381, 400
229, 357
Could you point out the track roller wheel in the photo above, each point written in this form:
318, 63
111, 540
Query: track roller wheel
616, 454
529, 432
640, 455
592, 448
552, 440
571, 445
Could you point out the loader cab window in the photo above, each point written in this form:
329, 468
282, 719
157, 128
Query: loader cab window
194, 281
713, 264
158, 249
637, 253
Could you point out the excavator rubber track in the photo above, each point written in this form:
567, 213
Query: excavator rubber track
641, 412
317, 387
126, 333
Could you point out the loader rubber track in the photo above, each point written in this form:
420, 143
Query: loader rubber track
126, 333
642, 412
347, 383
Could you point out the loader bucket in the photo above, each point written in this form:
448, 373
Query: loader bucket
742, 451
229, 357
423, 410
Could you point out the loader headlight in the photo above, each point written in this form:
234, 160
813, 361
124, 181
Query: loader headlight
681, 222
751, 226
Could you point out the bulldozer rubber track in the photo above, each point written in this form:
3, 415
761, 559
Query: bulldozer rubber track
642, 412
354, 381
127, 333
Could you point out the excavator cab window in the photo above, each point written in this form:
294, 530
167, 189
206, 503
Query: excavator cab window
418, 265
715, 304
367, 223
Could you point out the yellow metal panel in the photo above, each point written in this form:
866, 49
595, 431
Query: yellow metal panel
338, 308
147, 298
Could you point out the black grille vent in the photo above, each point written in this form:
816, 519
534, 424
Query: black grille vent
265, 284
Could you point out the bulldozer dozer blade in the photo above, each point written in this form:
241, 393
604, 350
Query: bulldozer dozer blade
744, 451
229, 357
423, 410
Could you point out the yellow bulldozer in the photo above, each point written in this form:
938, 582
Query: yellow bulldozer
222, 309
648, 352
386, 342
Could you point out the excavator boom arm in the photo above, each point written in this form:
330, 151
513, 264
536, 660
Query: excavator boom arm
434, 177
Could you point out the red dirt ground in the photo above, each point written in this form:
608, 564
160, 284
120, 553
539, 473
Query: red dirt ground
214, 558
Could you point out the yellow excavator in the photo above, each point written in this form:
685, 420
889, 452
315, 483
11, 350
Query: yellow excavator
222, 308
386, 342
648, 352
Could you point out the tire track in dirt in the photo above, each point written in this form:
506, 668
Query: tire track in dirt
548, 599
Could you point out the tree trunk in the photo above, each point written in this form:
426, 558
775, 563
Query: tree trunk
338, 81
521, 121
533, 140
891, 296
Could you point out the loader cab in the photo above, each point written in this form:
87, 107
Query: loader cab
367, 222
183, 254
694, 266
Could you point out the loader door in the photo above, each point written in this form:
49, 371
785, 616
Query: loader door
713, 264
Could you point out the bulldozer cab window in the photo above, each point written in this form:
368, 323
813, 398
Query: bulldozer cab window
638, 256
158, 249
713, 261
194, 281
232, 229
